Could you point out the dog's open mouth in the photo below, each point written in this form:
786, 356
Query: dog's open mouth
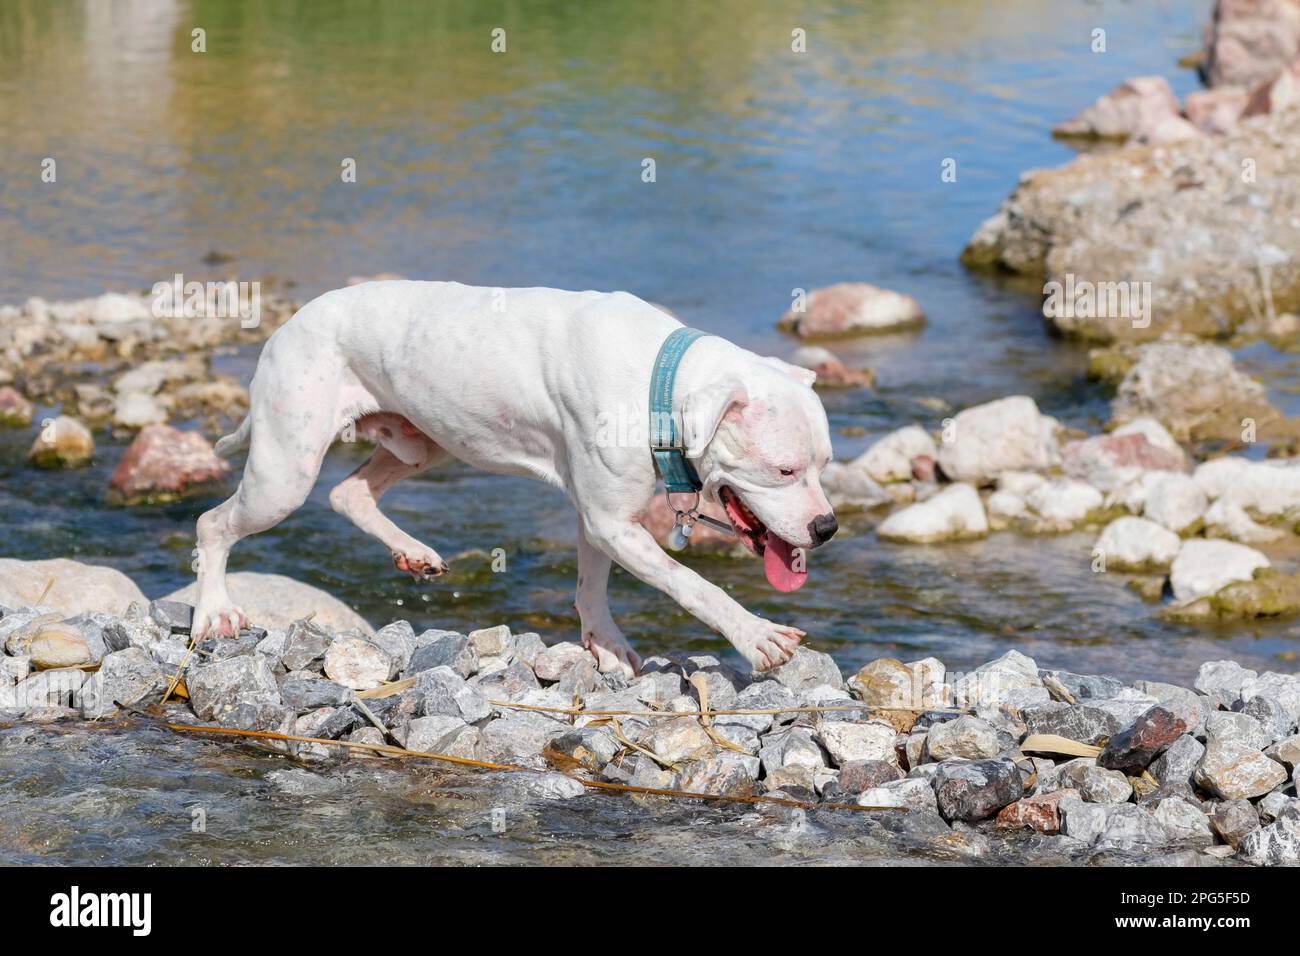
785, 566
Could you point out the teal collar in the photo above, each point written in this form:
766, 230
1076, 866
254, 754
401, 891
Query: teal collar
667, 441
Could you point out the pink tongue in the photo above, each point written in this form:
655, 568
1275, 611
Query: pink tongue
779, 565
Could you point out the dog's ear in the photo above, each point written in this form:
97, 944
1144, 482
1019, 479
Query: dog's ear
705, 408
804, 376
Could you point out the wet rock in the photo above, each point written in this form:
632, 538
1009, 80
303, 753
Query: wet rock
64, 443
129, 676
890, 459
1227, 519
859, 775
1177, 765
1176, 502
1233, 820
309, 694
791, 748
74, 587
1133, 749
443, 734
830, 371
15, 410
1109, 461
555, 786
47, 689
588, 747
727, 773
966, 736
274, 601
1135, 107
1137, 544
851, 308
956, 513
517, 740
1223, 680
910, 792
1089, 725
443, 649
1232, 770
809, 668
446, 692
551, 663
1204, 567
1041, 812
358, 664
1247, 41
1194, 389
1237, 728
327, 723
1009, 434
846, 741
975, 790
217, 689
1277, 844
1263, 488
1095, 784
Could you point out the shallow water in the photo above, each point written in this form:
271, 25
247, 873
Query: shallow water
774, 171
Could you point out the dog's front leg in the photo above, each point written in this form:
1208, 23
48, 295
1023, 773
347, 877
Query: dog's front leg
764, 644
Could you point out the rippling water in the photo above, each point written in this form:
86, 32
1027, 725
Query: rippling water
774, 171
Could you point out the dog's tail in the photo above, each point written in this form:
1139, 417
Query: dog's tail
238, 441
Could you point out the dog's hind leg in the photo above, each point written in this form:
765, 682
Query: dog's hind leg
284, 458
404, 451
600, 634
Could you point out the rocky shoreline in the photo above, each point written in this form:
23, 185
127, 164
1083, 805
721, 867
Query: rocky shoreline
1084, 765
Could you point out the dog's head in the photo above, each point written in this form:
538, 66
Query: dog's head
760, 446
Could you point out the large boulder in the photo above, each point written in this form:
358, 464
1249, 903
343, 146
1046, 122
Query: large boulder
1112, 221
1247, 41
74, 587
1193, 389
1110, 461
891, 458
851, 308
1009, 434
1137, 106
165, 464
275, 601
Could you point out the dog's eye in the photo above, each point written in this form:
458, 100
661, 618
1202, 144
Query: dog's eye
786, 472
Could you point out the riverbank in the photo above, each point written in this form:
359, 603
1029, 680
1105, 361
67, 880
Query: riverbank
1050, 764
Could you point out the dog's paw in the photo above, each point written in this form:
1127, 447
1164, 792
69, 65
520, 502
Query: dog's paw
612, 652
766, 645
225, 621
423, 565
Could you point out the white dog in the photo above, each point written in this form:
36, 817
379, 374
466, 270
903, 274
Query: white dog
528, 382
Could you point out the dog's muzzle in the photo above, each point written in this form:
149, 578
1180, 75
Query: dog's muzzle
822, 528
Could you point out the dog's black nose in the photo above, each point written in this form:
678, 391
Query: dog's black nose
822, 528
